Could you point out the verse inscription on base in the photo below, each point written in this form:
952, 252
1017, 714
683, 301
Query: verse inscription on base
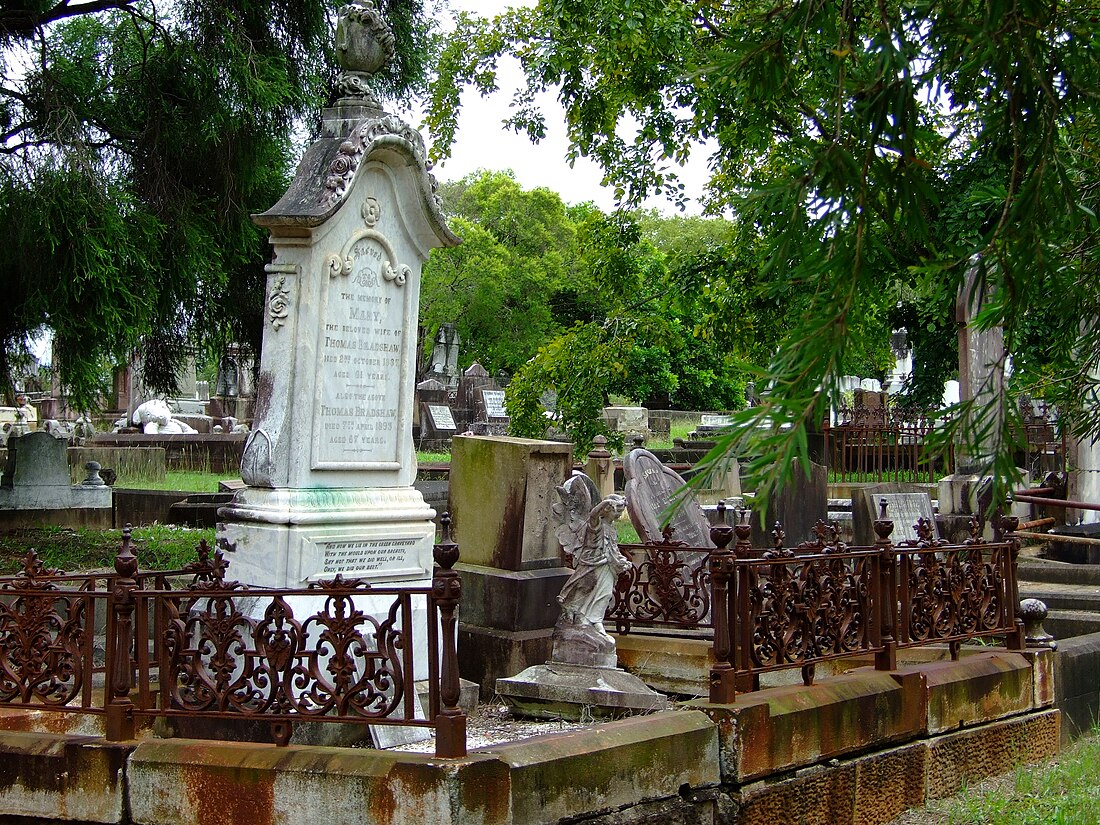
369, 555
362, 342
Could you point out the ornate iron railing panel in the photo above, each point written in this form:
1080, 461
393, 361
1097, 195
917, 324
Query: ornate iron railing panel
951, 593
246, 652
47, 622
666, 586
798, 610
216, 648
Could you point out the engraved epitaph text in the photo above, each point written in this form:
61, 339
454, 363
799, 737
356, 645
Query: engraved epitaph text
361, 348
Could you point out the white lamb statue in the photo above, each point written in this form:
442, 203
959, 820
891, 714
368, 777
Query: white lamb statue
155, 418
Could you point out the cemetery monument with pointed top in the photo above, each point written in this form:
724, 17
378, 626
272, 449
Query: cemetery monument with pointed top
330, 462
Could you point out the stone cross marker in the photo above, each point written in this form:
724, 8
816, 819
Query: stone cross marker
330, 462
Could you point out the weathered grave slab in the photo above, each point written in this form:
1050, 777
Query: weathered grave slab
36, 477
798, 507
905, 504
655, 495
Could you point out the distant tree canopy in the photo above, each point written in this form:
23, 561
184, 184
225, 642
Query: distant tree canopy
138, 136
590, 305
871, 148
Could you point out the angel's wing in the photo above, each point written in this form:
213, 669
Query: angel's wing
571, 514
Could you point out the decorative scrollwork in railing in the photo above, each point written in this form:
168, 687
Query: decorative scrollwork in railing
805, 609
666, 584
950, 594
338, 659
44, 638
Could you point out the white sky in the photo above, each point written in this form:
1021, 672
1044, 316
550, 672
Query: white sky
482, 141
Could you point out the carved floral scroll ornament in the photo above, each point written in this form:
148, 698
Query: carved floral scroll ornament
278, 305
343, 263
342, 169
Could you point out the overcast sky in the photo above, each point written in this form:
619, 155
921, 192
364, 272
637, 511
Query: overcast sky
482, 142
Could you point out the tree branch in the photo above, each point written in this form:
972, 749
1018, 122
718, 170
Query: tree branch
24, 22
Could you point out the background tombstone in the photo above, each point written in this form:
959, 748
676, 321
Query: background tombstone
491, 417
711, 424
650, 490
429, 391
798, 507
475, 378
631, 421
905, 504
36, 477
501, 498
981, 380
443, 364
437, 427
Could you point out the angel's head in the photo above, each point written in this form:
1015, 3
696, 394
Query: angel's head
610, 508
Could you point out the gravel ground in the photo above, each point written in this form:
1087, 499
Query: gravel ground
493, 724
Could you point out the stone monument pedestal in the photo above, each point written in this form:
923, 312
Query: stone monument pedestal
289, 538
964, 493
566, 691
501, 495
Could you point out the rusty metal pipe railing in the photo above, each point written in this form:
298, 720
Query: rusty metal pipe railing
1039, 522
1056, 537
1057, 502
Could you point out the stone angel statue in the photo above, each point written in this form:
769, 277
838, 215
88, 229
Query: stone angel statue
578, 496
579, 635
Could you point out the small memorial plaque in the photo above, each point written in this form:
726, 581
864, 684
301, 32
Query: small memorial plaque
442, 419
904, 509
493, 401
716, 420
901, 508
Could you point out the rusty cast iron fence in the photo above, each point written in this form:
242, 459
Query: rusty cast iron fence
880, 444
217, 649
785, 608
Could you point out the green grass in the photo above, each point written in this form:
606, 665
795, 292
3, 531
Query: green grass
159, 547
433, 458
627, 533
186, 480
1065, 791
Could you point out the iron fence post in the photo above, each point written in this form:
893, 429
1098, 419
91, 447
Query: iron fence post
119, 707
1004, 530
721, 563
887, 658
450, 724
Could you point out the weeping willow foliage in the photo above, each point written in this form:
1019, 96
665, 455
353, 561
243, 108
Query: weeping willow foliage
874, 148
138, 137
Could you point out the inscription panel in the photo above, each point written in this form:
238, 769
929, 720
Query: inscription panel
904, 509
494, 404
379, 556
361, 350
442, 418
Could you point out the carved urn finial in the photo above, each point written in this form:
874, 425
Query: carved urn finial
364, 44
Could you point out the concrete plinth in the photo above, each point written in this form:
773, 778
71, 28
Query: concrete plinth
561, 691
